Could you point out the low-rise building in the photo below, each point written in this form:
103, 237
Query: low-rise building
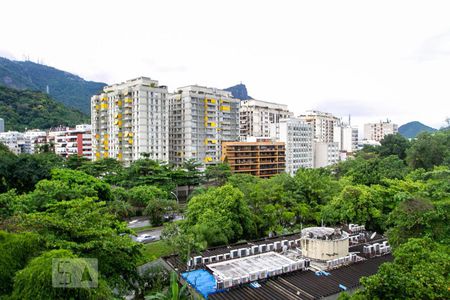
72, 141
263, 158
15, 141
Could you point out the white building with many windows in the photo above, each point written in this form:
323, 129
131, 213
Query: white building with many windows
256, 117
72, 141
377, 131
325, 154
130, 119
298, 138
201, 118
323, 125
347, 137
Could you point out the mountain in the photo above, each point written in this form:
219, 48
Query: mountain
412, 129
23, 109
239, 91
64, 87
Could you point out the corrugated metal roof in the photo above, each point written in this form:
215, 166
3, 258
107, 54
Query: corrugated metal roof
305, 284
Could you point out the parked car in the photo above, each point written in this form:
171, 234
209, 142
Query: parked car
145, 238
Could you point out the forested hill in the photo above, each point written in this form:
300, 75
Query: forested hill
64, 87
32, 109
412, 129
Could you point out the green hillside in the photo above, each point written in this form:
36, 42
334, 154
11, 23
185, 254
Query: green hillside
64, 87
23, 109
412, 129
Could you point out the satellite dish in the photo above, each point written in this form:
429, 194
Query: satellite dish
373, 235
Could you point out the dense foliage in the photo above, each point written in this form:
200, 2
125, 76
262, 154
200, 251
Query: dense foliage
31, 109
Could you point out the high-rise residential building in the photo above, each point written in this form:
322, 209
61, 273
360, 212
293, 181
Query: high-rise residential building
377, 131
130, 119
298, 138
257, 116
347, 137
201, 118
72, 141
262, 158
325, 154
2, 125
323, 125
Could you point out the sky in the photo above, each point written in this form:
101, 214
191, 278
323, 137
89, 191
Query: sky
373, 60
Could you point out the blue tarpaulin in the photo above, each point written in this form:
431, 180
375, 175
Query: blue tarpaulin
203, 281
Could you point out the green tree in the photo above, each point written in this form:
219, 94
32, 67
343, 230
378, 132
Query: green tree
218, 173
85, 227
15, 252
35, 281
394, 144
429, 150
355, 204
419, 218
420, 270
157, 208
224, 208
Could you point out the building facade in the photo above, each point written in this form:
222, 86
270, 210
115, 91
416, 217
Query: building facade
377, 131
325, 154
201, 119
256, 117
262, 158
323, 125
347, 137
71, 141
298, 138
15, 141
131, 119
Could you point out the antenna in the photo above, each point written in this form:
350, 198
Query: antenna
48, 89
373, 235
322, 222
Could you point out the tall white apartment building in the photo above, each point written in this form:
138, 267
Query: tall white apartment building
377, 131
72, 141
323, 125
256, 117
347, 137
325, 154
201, 118
130, 119
298, 138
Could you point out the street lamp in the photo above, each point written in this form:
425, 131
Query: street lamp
176, 197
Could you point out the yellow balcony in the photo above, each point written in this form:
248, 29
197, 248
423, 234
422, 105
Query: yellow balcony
104, 106
97, 154
225, 108
130, 141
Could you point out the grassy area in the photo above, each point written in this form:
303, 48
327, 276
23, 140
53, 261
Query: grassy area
155, 250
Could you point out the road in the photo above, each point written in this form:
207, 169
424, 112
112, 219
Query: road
138, 222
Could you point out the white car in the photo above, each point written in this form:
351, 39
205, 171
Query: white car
145, 238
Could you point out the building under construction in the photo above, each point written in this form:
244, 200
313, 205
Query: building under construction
316, 263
